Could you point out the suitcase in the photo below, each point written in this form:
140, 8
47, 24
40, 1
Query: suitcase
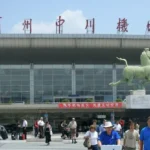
20, 137
4, 135
13, 135
23, 137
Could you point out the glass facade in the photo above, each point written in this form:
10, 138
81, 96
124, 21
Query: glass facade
93, 80
52, 83
14, 83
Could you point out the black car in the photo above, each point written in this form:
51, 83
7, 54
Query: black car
3, 132
12, 127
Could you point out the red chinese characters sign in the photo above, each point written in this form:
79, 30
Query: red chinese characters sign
148, 26
93, 105
59, 25
122, 25
27, 26
90, 25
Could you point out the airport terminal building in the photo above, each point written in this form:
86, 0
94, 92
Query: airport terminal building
41, 68
49, 68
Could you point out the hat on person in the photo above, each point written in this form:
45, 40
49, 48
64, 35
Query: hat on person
108, 124
73, 118
41, 118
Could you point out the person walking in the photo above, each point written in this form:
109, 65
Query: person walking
101, 128
18, 129
118, 128
63, 126
96, 126
137, 127
36, 127
145, 137
24, 126
109, 137
41, 127
130, 138
92, 135
122, 123
73, 129
48, 130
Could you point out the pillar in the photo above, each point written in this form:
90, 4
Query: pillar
114, 80
31, 84
73, 81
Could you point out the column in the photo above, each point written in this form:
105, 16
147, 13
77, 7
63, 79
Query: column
114, 80
31, 84
73, 81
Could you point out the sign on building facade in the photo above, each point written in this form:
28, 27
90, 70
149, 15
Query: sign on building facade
90, 105
27, 26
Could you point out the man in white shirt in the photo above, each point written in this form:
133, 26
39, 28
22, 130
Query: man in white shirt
73, 128
118, 127
24, 126
41, 127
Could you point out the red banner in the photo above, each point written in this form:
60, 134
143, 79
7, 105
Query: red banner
90, 105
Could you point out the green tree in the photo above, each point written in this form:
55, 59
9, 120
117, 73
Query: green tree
89, 100
27, 102
10, 102
119, 100
47, 102
65, 100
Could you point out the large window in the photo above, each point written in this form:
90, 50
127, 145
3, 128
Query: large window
93, 80
14, 83
52, 81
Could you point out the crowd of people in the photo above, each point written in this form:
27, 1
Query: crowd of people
111, 134
107, 133
69, 130
41, 129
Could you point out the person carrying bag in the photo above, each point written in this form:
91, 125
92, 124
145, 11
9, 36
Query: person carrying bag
91, 139
48, 133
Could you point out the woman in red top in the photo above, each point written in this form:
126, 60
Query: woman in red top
36, 128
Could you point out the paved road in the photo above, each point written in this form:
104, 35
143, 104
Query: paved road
23, 145
56, 144
41, 146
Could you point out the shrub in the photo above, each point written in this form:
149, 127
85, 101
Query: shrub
118, 100
47, 102
65, 100
89, 100
27, 102
10, 102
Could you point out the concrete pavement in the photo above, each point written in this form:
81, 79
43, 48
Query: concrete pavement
41, 146
33, 143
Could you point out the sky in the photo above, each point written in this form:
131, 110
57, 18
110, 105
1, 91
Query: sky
75, 12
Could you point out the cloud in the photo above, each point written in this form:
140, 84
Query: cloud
74, 23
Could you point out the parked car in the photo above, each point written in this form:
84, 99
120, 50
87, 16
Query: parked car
3, 132
12, 127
